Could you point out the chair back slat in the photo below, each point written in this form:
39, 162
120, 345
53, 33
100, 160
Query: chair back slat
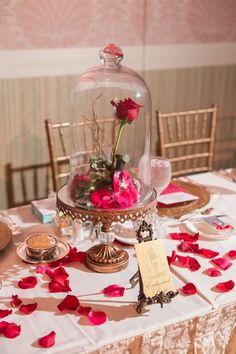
58, 137
187, 139
23, 183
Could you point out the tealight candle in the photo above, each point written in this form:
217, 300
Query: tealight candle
41, 246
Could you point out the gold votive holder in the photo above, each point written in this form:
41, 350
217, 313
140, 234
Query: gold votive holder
41, 246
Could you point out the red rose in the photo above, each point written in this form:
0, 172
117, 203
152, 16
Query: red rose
127, 109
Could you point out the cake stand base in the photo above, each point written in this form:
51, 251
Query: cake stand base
106, 258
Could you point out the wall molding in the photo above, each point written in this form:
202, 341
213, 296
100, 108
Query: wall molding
63, 61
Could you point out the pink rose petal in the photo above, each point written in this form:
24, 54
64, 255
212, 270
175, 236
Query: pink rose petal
171, 258
225, 286
73, 256
28, 309
213, 272
189, 262
231, 254
4, 313
16, 301
189, 289
61, 285
9, 330
208, 253
48, 340
70, 302
97, 317
84, 310
28, 282
41, 269
222, 262
114, 290
184, 236
2, 325
188, 247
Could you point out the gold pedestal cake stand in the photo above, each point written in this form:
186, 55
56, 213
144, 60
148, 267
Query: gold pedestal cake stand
105, 257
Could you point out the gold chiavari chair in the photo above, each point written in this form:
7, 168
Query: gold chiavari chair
27, 183
187, 139
58, 138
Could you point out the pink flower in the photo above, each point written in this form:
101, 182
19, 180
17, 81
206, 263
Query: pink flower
101, 198
125, 192
127, 109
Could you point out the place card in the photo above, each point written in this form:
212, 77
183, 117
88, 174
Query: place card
174, 195
154, 268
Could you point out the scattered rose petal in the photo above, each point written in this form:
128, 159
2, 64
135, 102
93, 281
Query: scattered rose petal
97, 317
9, 330
213, 272
84, 310
16, 301
59, 272
41, 269
231, 254
78, 257
189, 289
56, 286
171, 258
70, 302
184, 236
4, 313
208, 253
28, 282
225, 227
73, 256
189, 262
114, 290
225, 286
188, 247
222, 262
48, 340
28, 309
2, 325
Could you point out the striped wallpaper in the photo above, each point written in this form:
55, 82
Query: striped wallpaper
25, 103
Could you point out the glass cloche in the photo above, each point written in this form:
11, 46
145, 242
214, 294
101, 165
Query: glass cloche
110, 136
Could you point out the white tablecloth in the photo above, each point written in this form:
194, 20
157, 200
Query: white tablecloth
74, 334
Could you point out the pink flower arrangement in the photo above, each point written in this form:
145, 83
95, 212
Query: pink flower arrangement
125, 193
107, 183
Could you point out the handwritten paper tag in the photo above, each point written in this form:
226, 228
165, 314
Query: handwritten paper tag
154, 267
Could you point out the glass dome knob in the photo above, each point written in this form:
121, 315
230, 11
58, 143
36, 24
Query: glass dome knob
111, 54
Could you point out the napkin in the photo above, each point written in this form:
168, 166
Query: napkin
174, 195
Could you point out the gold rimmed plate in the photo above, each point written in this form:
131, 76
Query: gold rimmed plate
61, 251
176, 211
5, 235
